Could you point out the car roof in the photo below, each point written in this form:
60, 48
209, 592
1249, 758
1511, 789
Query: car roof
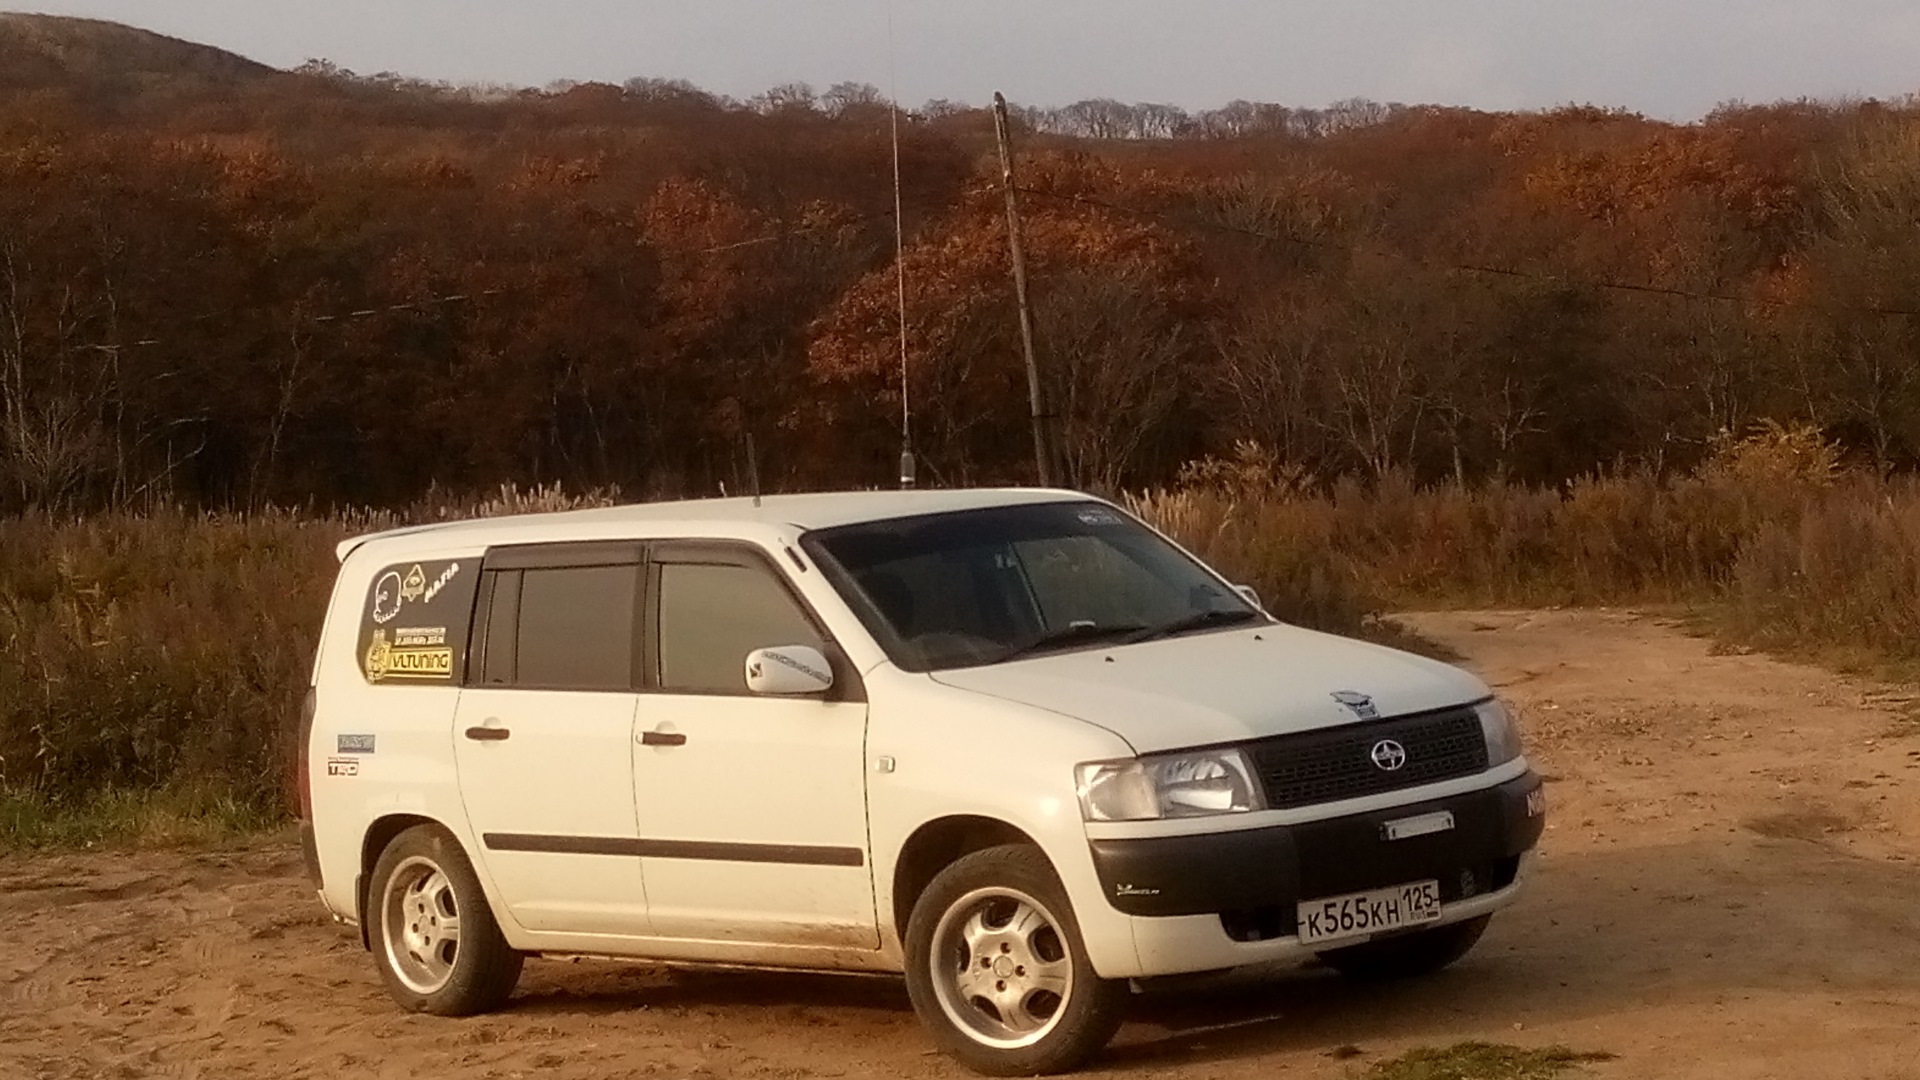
818, 510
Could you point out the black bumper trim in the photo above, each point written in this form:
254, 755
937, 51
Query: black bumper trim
1272, 869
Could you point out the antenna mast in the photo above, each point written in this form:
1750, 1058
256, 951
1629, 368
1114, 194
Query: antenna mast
1043, 454
907, 469
753, 471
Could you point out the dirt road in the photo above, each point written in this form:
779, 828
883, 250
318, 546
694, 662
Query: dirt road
1730, 888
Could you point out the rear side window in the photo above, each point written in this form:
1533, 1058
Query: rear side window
559, 617
413, 624
713, 614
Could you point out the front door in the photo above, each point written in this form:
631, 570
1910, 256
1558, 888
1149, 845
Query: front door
543, 738
752, 810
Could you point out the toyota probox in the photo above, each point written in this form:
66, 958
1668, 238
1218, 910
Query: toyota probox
1016, 745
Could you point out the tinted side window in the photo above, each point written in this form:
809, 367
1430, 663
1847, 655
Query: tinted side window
500, 621
575, 627
713, 615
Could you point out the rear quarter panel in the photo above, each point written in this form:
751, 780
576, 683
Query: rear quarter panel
377, 748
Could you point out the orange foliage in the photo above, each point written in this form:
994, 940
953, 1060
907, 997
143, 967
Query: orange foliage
235, 284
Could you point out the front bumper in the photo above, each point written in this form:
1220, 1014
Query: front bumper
1220, 900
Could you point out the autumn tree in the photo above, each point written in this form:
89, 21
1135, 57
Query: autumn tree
1116, 310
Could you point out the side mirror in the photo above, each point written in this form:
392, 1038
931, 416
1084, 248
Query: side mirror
788, 670
1248, 594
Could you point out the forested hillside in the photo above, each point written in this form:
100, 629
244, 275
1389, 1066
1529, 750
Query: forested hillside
226, 285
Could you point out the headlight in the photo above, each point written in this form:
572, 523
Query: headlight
1191, 784
1503, 738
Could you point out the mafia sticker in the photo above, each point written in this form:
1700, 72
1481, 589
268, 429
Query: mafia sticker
393, 590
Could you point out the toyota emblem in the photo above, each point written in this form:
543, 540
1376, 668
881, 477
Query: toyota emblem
1388, 756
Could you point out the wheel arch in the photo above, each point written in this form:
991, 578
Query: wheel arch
936, 845
379, 834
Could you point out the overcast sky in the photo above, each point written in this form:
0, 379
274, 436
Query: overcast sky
1669, 58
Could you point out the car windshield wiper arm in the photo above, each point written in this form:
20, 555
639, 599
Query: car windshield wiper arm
1202, 621
1080, 633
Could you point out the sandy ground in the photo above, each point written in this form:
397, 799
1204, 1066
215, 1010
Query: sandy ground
1730, 888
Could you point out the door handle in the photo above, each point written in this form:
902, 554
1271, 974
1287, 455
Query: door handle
662, 738
489, 734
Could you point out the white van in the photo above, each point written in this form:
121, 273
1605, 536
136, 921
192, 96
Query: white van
1014, 744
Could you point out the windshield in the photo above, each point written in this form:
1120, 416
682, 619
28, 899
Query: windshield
983, 586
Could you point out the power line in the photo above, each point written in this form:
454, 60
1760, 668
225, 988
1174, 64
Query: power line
1471, 268
415, 306
419, 306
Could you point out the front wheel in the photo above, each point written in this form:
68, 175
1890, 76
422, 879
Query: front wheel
1409, 955
997, 971
439, 948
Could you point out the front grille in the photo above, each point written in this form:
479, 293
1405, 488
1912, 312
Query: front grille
1337, 763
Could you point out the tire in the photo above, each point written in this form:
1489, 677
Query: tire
996, 923
433, 935
1407, 956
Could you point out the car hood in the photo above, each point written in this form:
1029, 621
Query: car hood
1224, 686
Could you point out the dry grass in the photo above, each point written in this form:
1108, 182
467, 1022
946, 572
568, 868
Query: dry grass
151, 665
1483, 1061
161, 656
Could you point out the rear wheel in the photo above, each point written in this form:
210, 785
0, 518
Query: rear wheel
1409, 955
997, 971
439, 949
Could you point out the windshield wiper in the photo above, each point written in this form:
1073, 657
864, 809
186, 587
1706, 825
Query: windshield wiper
1204, 620
1080, 633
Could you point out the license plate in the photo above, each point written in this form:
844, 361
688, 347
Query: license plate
1360, 914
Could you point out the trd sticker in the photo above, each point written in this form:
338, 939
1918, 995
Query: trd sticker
343, 766
414, 626
354, 744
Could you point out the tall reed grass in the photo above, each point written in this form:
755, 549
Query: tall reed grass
164, 654
157, 660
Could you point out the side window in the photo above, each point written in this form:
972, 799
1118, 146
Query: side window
713, 614
562, 628
500, 622
576, 628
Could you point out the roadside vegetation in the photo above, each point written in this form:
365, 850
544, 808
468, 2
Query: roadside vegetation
1483, 1061
151, 665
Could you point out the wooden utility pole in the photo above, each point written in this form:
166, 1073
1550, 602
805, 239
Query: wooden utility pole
1043, 456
